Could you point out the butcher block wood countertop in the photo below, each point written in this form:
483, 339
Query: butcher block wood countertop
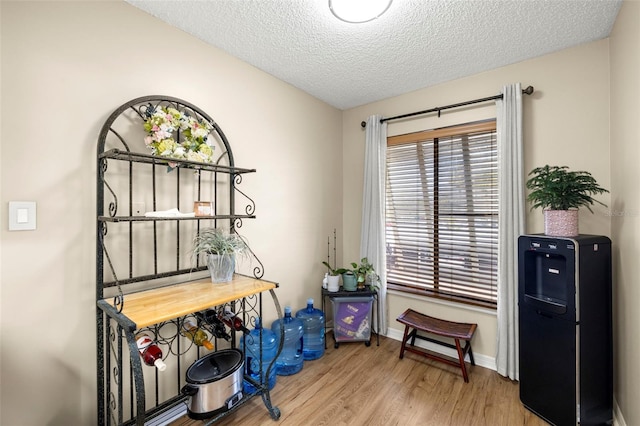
153, 306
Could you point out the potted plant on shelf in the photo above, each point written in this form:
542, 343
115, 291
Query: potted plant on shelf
349, 279
355, 278
560, 192
332, 277
366, 274
220, 248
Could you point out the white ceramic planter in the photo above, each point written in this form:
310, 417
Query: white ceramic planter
333, 283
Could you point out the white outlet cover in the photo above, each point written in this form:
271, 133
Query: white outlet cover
22, 215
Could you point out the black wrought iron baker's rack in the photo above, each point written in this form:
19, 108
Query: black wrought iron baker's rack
145, 273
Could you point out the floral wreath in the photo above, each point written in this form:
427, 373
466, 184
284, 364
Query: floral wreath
162, 122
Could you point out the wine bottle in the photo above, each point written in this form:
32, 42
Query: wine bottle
150, 352
212, 323
233, 321
198, 336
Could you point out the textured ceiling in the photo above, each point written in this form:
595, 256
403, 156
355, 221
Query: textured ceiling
415, 44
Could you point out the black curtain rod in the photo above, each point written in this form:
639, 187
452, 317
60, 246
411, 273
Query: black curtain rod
527, 91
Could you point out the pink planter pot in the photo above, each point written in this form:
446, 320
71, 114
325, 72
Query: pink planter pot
561, 223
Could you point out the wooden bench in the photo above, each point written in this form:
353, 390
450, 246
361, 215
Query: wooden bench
415, 321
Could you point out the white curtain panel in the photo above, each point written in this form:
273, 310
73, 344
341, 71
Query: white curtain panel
510, 226
372, 241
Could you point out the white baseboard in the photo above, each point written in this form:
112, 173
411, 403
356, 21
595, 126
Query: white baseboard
480, 359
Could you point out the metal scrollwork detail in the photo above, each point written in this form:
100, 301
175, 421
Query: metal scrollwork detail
167, 334
258, 271
250, 208
116, 375
112, 334
113, 208
118, 300
112, 346
104, 165
251, 303
112, 401
103, 230
113, 205
145, 110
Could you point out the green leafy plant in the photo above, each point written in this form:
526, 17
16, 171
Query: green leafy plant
334, 271
365, 269
221, 249
361, 271
219, 241
558, 188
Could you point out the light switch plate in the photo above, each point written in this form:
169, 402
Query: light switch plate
22, 215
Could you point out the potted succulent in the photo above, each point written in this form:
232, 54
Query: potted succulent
220, 248
560, 192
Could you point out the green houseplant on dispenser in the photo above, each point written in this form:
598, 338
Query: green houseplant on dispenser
560, 192
221, 249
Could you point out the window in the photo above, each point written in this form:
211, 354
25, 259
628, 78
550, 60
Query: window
442, 213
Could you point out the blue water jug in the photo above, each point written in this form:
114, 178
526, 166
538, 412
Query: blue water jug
290, 361
251, 345
313, 331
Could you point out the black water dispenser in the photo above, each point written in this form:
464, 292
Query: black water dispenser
565, 328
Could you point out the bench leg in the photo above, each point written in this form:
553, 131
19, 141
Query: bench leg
461, 358
404, 340
470, 352
412, 336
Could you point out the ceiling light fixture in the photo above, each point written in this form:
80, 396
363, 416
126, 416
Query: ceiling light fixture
358, 11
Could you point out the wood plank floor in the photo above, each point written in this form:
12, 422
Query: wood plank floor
359, 385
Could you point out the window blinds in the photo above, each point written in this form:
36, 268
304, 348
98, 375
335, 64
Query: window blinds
442, 214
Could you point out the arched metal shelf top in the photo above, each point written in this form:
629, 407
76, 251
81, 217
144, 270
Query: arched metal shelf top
121, 139
140, 105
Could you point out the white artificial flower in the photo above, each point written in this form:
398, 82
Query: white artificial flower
200, 132
179, 152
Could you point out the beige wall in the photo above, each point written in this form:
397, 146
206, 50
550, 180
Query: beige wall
566, 122
625, 203
65, 67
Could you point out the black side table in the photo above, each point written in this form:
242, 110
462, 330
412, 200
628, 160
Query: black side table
367, 291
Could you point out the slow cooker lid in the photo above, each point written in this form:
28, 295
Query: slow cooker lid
214, 366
